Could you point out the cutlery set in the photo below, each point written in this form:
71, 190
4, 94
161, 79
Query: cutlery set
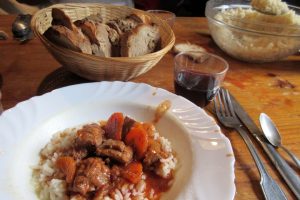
232, 115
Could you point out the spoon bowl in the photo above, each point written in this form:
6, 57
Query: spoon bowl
21, 27
272, 135
268, 12
270, 7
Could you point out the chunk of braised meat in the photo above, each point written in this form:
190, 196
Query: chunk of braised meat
100, 194
116, 150
154, 154
90, 136
128, 123
81, 185
115, 172
92, 174
151, 158
77, 197
78, 153
113, 144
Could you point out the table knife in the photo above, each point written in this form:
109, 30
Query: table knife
289, 175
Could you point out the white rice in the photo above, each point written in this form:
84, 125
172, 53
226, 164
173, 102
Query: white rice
165, 143
128, 192
166, 166
50, 186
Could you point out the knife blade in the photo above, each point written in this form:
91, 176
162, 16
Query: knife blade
289, 175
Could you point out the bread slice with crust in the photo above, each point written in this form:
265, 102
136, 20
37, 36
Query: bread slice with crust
119, 27
67, 38
114, 38
127, 24
59, 17
143, 39
114, 25
98, 35
66, 34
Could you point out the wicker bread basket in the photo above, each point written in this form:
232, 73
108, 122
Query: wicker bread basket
101, 68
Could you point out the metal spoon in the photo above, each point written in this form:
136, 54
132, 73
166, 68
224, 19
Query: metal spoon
21, 28
269, 12
273, 136
280, 8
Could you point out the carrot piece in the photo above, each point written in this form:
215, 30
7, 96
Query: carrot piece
133, 172
67, 166
137, 137
114, 126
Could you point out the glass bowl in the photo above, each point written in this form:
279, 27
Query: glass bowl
257, 40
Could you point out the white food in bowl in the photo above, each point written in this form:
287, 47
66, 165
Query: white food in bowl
252, 36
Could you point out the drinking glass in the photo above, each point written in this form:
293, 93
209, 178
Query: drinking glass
168, 16
198, 76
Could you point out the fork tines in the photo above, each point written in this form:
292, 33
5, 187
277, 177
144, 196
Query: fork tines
223, 104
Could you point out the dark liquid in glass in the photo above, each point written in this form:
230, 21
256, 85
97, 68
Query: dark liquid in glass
198, 88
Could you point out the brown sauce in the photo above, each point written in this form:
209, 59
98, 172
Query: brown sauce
161, 109
158, 184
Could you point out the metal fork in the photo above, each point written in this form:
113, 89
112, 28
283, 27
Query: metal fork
226, 115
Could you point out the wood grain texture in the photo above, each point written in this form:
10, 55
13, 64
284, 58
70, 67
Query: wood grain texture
25, 67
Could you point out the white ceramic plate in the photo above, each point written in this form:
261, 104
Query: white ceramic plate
206, 165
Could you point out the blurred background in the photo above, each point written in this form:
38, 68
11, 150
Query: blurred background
179, 7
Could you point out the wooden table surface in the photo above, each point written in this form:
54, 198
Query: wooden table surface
274, 88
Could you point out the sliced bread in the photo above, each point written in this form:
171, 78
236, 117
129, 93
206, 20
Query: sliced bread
129, 23
126, 24
141, 40
67, 38
98, 35
96, 18
59, 17
114, 38
114, 25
